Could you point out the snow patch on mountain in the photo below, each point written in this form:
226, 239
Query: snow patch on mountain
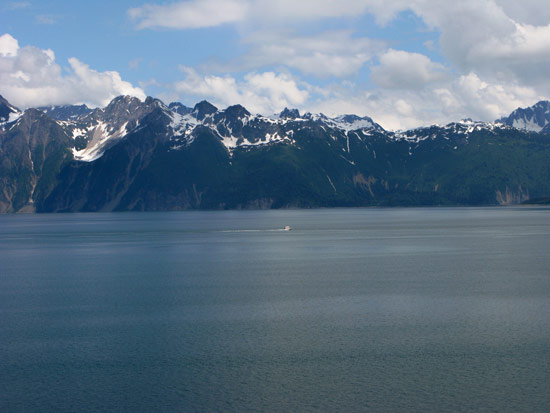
352, 122
527, 124
14, 116
181, 124
464, 127
100, 134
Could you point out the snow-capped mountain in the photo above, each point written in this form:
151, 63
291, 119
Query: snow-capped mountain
145, 155
66, 112
96, 131
237, 127
234, 126
463, 128
535, 118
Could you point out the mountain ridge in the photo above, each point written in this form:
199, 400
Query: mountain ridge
145, 155
535, 118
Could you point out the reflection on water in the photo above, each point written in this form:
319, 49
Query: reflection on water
352, 310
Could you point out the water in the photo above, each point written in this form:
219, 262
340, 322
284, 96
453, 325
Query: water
353, 310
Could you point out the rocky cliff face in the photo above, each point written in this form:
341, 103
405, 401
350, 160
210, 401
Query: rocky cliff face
32, 151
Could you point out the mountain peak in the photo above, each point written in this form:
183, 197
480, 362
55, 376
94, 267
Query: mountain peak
180, 108
542, 103
534, 118
203, 109
122, 102
237, 111
289, 113
123, 108
154, 101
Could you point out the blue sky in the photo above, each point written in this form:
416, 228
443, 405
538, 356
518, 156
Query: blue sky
404, 63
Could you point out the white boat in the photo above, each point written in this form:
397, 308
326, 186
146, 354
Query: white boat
287, 228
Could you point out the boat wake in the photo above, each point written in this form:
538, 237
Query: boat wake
257, 230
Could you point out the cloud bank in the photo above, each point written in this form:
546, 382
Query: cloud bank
30, 76
495, 56
189, 14
262, 92
482, 59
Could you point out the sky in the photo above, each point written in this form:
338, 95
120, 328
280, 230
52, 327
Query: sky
405, 63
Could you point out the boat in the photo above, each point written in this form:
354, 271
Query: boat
287, 228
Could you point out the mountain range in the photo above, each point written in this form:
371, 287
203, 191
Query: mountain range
135, 155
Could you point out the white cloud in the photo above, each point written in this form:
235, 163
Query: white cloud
221, 89
304, 10
522, 42
192, 14
330, 53
404, 70
269, 28
8, 45
446, 101
281, 89
30, 76
489, 100
462, 97
501, 39
496, 57
260, 92
533, 12
97, 86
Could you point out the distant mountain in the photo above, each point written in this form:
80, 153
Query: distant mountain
289, 114
180, 108
535, 118
144, 155
65, 112
349, 122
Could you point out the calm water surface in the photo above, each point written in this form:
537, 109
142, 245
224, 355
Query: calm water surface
354, 310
